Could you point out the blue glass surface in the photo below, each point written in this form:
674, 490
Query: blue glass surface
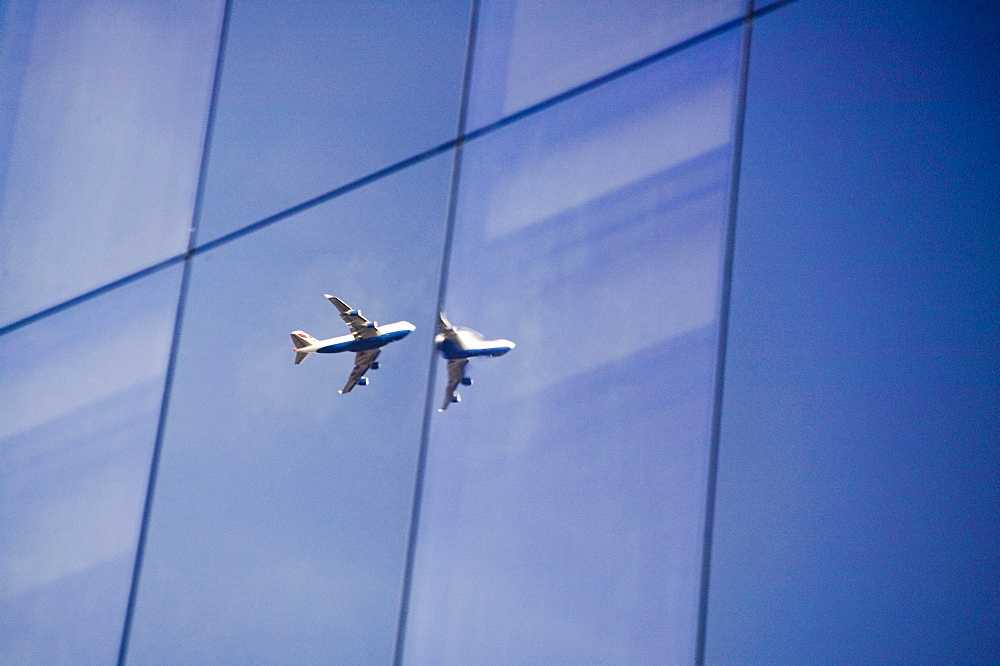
858, 515
318, 94
282, 509
564, 500
78, 415
103, 107
530, 50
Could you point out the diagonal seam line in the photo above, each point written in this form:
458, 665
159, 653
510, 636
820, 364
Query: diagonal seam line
327, 196
168, 381
624, 71
398, 166
462, 137
93, 293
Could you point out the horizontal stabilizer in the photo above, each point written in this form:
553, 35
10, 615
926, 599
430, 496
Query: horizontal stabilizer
300, 356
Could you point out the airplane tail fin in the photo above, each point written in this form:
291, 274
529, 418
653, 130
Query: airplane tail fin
302, 339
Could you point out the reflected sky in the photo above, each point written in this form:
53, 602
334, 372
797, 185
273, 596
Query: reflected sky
281, 514
317, 94
76, 443
564, 495
858, 513
103, 106
530, 50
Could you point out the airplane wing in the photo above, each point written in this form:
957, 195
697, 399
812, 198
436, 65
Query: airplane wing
456, 373
360, 326
362, 361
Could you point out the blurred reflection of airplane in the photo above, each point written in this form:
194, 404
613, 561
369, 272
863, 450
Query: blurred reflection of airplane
458, 344
366, 340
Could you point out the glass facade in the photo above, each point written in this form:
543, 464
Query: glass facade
103, 107
858, 508
82, 396
564, 497
316, 95
532, 50
746, 254
279, 525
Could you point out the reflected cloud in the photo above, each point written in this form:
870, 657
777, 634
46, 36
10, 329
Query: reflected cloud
578, 41
572, 498
643, 301
53, 381
594, 165
88, 515
529, 50
80, 415
633, 268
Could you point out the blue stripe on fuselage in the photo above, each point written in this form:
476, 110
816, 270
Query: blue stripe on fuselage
365, 344
452, 350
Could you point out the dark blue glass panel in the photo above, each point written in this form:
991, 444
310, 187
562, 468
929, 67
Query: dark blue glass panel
281, 514
318, 94
564, 499
530, 50
78, 413
858, 507
102, 118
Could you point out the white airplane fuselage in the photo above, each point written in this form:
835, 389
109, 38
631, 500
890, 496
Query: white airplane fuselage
348, 343
462, 342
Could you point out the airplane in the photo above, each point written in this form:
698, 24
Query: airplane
458, 344
366, 340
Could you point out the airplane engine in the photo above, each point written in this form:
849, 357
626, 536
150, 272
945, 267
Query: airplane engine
363, 381
371, 324
375, 365
467, 381
456, 398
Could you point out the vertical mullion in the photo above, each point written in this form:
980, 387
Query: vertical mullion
411, 545
720, 365
175, 341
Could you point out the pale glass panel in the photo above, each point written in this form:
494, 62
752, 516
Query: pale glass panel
317, 94
565, 495
282, 509
103, 106
78, 413
530, 50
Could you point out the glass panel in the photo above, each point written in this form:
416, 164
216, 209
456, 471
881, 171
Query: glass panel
564, 498
282, 509
530, 50
858, 515
317, 94
78, 414
103, 107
